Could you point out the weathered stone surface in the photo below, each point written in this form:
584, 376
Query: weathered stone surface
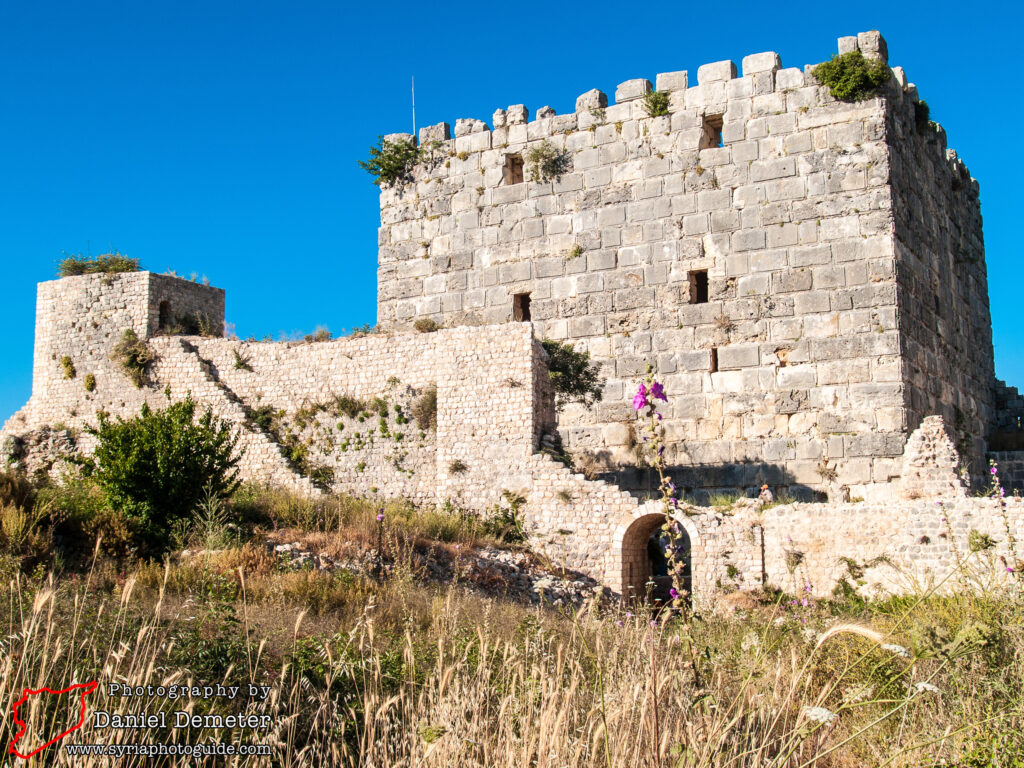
592, 99
672, 81
717, 72
632, 89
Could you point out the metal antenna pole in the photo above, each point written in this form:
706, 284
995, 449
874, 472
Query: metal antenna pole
414, 107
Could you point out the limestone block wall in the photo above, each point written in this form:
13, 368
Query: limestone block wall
82, 317
944, 320
789, 366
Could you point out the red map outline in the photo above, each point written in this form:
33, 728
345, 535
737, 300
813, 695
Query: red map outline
88, 688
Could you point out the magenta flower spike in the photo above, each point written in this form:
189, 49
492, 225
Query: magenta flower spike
658, 391
640, 398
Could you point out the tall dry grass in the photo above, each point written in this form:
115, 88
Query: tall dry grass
422, 677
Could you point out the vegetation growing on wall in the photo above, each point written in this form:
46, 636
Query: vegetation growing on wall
68, 366
574, 377
134, 356
546, 162
853, 77
656, 103
424, 409
106, 263
391, 162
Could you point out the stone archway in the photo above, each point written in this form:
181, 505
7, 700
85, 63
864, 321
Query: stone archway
638, 560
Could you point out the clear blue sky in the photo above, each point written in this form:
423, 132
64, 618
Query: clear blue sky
221, 138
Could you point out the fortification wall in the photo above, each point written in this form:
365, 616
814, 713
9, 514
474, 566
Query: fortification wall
944, 319
81, 318
789, 368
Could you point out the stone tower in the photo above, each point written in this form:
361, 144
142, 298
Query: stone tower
806, 275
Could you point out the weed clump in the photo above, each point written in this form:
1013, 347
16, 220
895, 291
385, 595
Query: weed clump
104, 264
852, 77
134, 356
546, 162
656, 103
425, 325
424, 409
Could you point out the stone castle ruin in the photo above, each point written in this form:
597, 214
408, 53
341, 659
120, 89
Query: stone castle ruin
805, 275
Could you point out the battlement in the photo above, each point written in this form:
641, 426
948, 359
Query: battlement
806, 273
715, 85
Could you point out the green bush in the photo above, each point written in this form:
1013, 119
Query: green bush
68, 367
134, 356
425, 325
656, 103
158, 466
391, 162
89, 382
547, 162
574, 377
852, 77
107, 263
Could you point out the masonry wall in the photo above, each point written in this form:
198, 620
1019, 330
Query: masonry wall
83, 317
944, 321
791, 217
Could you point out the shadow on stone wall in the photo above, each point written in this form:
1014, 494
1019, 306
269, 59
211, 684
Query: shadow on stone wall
698, 483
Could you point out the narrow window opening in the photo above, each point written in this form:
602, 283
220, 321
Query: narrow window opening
521, 307
699, 287
938, 306
712, 132
513, 171
714, 359
164, 321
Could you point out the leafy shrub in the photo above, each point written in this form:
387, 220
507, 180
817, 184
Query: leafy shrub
425, 325
424, 409
852, 77
158, 466
68, 366
391, 162
107, 263
89, 382
458, 467
134, 356
574, 377
656, 103
547, 162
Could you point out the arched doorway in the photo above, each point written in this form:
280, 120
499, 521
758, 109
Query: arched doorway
646, 558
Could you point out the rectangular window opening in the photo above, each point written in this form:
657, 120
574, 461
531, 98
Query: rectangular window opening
714, 360
711, 135
521, 308
513, 171
699, 286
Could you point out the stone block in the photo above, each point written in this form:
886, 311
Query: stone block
718, 71
848, 44
873, 46
672, 81
396, 138
631, 90
761, 62
438, 132
545, 112
517, 114
592, 99
739, 356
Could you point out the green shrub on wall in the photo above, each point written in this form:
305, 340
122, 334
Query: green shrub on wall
656, 103
158, 466
852, 77
391, 162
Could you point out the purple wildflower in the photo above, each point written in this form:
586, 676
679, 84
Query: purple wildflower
380, 516
993, 470
673, 594
658, 391
640, 398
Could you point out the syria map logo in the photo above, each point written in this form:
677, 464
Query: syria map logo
82, 689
